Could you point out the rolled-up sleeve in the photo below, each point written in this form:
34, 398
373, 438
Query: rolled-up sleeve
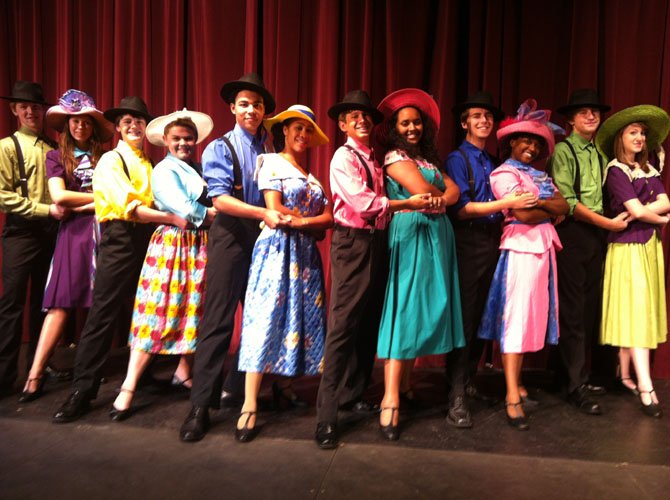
456, 169
347, 182
114, 195
562, 168
217, 169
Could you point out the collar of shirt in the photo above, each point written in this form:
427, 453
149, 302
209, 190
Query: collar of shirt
78, 153
474, 151
579, 141
124, 147
30, 134
248, 139
365, 151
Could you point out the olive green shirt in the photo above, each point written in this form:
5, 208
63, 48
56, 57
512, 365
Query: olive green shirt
562, 168
34, 152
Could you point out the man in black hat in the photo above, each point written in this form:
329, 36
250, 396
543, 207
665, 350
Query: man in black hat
477, 220
123, 207
577, 170
228, 167
29, 235
359, 265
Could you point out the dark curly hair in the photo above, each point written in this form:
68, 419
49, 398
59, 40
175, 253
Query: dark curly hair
426, 147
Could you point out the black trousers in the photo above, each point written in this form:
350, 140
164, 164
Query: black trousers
359, 270
123, 246
231, 243
477, 253
580, 272
27, 248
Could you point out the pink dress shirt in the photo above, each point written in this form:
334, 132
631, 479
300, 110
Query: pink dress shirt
354, 203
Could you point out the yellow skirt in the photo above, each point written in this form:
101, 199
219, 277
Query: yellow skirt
634, 310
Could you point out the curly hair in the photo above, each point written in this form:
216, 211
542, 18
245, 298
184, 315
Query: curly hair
426, 147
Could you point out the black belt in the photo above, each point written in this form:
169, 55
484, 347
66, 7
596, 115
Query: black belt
356, 230
478, 226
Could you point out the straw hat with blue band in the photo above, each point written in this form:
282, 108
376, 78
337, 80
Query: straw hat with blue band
656, 119
303, 113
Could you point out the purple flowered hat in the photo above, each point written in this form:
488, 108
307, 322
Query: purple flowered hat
74, 103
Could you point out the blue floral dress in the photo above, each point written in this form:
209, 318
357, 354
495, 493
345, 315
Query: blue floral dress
284, 322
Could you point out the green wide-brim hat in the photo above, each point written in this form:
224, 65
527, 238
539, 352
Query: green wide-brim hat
655, 118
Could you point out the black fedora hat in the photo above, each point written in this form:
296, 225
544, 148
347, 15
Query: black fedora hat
356, 99
250, 81
130, 105
480, 99
26, 92
583, 98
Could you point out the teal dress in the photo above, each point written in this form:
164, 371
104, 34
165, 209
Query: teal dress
422, 308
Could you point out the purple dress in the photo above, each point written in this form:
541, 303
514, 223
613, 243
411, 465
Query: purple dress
70, 280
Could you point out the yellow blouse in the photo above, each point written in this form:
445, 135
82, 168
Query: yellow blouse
116, 196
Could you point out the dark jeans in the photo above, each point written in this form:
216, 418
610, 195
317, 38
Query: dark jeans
359, 270
231, 243
123, 246
27, 248
477, 252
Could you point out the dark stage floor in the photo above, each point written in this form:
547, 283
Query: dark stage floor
566, 454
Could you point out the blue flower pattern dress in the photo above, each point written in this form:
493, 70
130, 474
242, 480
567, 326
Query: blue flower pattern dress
284, 321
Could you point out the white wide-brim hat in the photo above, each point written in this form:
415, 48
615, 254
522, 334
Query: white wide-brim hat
156, 127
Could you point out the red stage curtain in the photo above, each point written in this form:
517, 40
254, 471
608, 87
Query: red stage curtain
178, 53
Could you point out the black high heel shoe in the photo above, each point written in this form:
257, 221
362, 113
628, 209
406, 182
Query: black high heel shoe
246, 433
652, 409
520, 423
390, 432
120, 415
288, 396
27, 397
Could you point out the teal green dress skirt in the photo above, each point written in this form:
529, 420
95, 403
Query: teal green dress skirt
422, 308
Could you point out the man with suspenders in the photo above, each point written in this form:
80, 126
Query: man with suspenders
359, 265
577, 169
477, 220
29, 234
228, 165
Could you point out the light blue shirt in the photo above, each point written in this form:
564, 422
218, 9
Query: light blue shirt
176, 187
217, 163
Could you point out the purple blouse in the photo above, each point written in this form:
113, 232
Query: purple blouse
622, 189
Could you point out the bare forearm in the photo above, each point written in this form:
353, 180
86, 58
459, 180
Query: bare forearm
475, 209
554, 206
232, 206
531, 215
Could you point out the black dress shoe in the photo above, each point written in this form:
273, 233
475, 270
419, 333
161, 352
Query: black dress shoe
596, 390
196, 424
326, 436
58, 375
580, 398
286, 396
120, 415
77, 404
652, 409
389, 432
472, 392
27, 396
529, 402
246, 433
459, 415
361, 407
520, 423
231, 400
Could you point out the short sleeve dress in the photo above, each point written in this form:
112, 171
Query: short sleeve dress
634, 307
70, 280
422, 306
284, 320
521, 311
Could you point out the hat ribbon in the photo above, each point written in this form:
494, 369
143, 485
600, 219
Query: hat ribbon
528, 112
